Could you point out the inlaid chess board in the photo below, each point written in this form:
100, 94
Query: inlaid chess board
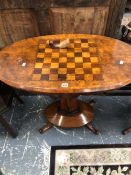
80, 61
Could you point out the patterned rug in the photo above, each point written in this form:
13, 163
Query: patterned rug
91, 160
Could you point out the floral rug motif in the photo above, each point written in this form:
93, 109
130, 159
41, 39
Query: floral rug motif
91, 160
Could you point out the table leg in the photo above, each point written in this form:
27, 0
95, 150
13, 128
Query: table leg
8, 127
69, 113
45, 127
92, 128
125, 131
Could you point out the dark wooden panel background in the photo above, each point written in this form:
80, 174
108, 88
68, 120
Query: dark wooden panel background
21, 19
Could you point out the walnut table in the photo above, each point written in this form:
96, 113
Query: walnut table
90, 64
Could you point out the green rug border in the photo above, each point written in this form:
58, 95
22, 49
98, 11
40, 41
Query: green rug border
54, 148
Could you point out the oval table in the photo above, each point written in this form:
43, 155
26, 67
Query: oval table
91, 63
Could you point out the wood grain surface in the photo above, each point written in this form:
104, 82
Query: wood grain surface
79, 20
17, 24
17, 63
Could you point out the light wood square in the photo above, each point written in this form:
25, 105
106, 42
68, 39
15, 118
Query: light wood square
54, 65
70, 77
47, 60
85, 54
36, 77
38, 65
70, 65
78, 59
79, 71
87, 65
62, 60
94, 59
96, 70
88, 77
46, 71
62, 71
40, 55
53, 77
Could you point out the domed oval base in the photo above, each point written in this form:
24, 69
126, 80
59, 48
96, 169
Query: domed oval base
78, 119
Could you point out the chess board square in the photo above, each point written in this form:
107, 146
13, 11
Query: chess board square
77, 45
79, 71
96, 70
77, 50
70, 49
38, 65
84, 45
53, 77
39, 60
62, 60
40, 55
90, 40
87, 70
70, 77
70, 65
47, 60
72, 45
45, 77
78, 65
70, 54
46, 65
54, 71
55, 50
62, 71
48, 50
45, 70
63, 54
62, 65
70, 71
62, 76
95, 65
55, 55
86, 59
77, 41
36, 77
84, 40
63, 50
87, 65
47, 54
79, 77
78, 59
42, 46
85, 49
85, 54
88, 77
71, 60
54, 65
94, 59
54, 60
78, 54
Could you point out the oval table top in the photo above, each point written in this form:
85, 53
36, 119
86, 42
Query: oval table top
91, 63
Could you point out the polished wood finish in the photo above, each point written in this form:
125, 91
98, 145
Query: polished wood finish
79, 20
91, 63
17, 24
69, 113
17, 64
